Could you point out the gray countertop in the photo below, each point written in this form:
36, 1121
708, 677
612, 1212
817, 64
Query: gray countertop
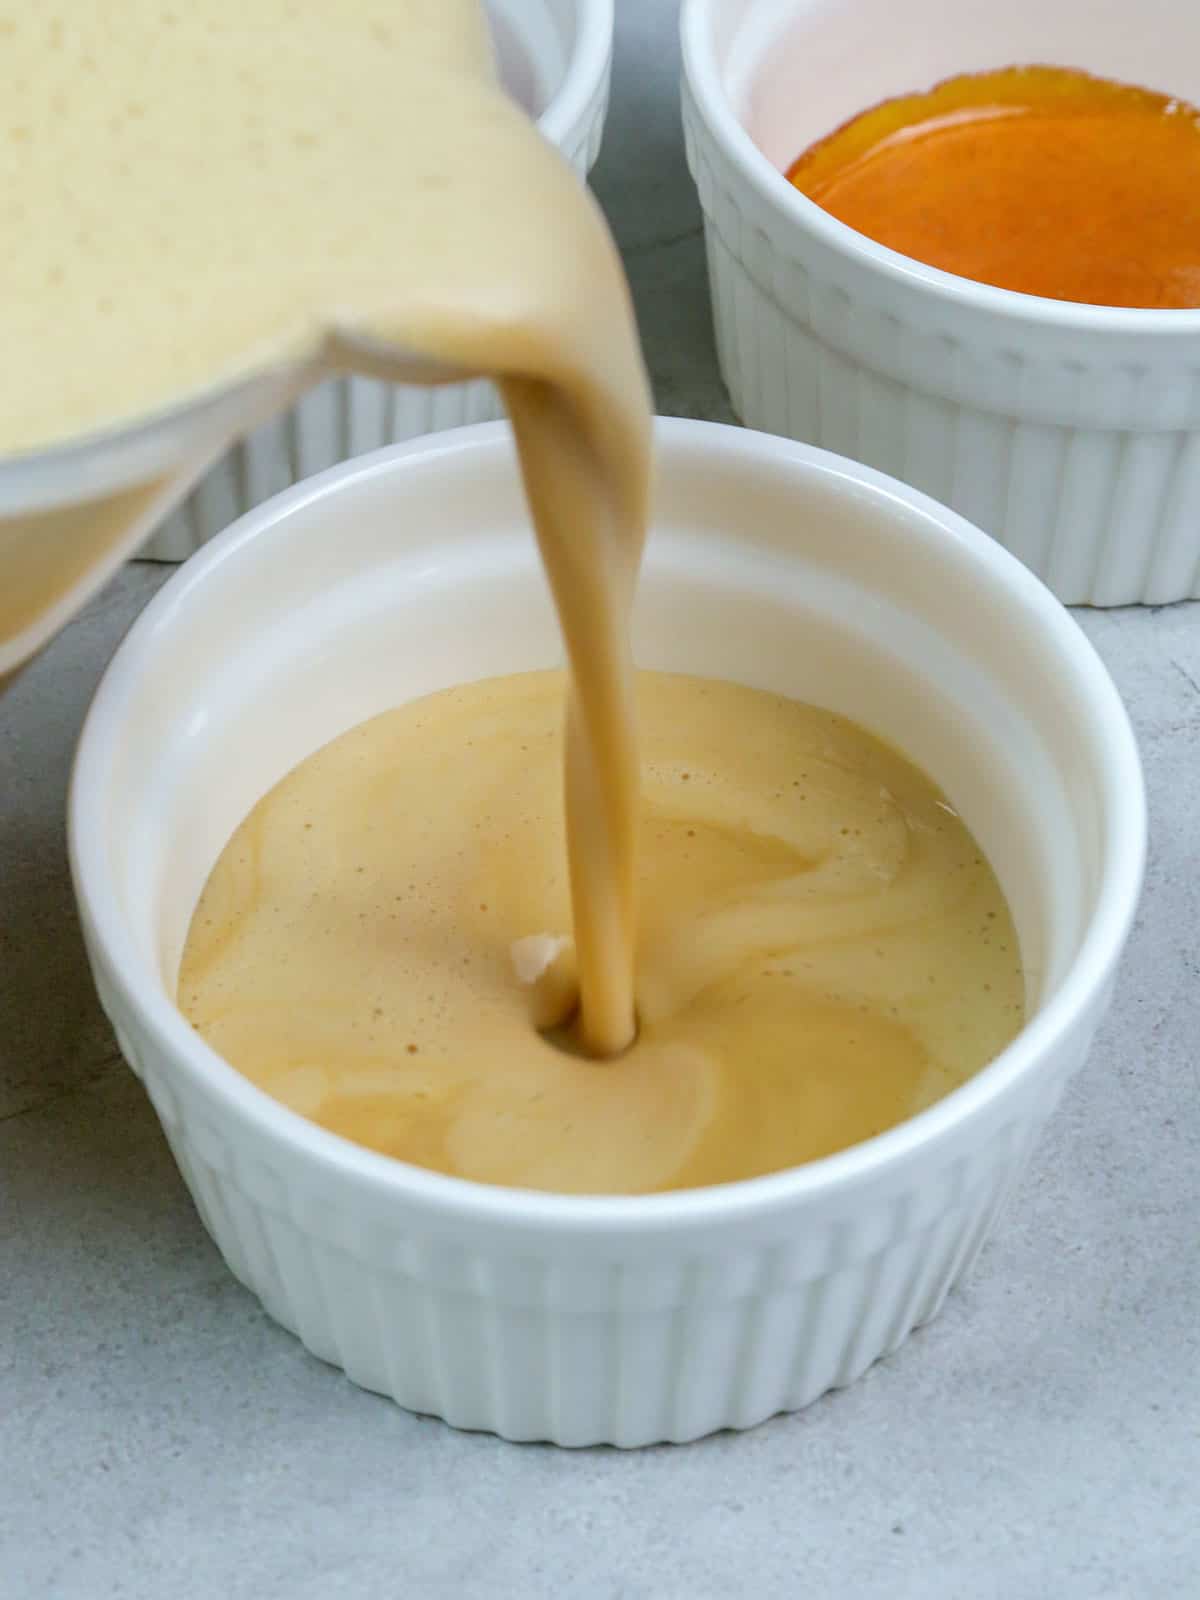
159, 1436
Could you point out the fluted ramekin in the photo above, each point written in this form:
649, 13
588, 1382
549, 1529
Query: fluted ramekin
1071, 433
556, 57
576, 1319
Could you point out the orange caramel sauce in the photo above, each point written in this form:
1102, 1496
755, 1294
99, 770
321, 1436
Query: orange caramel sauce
1041, 179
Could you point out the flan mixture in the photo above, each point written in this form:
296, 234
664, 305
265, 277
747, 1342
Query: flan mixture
822, 948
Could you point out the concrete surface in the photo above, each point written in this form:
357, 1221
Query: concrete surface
160, 1437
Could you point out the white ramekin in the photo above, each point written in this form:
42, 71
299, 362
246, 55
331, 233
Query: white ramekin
574, 1319
1069, 432
556, 57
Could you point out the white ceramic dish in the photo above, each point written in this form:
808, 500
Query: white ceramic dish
1070, 432
582, 1320
555, 57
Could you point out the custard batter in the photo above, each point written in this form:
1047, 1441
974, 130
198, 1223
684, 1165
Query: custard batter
823, 950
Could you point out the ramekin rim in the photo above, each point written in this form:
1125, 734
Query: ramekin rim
463, 1199
586, 66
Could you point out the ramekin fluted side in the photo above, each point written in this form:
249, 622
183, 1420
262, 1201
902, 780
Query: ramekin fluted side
606, 1343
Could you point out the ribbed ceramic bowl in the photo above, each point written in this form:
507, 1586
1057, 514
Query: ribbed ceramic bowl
556, 58
1069, 432
574, 1319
